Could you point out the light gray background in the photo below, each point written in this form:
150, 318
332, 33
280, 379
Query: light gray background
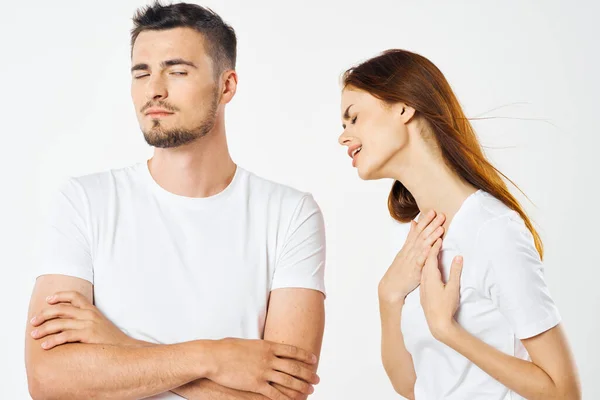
67, 111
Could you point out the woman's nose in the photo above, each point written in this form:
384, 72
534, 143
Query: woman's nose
344, 140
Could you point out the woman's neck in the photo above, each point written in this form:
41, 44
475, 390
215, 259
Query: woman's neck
433, 184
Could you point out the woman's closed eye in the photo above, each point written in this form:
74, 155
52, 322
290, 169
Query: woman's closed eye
352, 121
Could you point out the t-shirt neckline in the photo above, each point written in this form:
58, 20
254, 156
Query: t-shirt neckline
167, 196
459, 212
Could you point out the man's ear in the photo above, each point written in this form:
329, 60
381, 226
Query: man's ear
229, 79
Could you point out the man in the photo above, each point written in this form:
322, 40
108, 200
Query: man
150, 271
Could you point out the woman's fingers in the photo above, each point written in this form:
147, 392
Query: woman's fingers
433, 236
431, 270
425, 221
432, 258
422, 256
425, 233
437, 222
455, 273
412, 232
425, 249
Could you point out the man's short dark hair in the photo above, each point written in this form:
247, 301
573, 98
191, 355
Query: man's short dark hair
219, 37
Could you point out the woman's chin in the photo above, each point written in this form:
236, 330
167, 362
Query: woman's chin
370, 172
365, 174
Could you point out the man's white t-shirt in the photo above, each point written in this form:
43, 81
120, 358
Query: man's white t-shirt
503, 298
168, 269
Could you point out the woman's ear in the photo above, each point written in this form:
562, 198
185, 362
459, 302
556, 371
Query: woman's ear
406, 113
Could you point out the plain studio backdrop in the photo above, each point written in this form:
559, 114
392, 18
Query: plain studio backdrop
530, 65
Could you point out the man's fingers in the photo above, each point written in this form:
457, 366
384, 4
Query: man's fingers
56, 326
73, 297
60, 338
455, 273
272, 393
296, 369
290, 382
58, 311
292, 394
293, 352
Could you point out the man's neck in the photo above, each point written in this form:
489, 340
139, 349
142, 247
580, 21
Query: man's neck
200, 169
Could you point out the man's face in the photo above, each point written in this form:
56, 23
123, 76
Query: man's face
173, 86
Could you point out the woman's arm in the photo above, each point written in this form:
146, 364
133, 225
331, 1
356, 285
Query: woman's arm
397, 361
401, 278
550, 375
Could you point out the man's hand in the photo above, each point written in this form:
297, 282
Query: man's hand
72, 318
251, 365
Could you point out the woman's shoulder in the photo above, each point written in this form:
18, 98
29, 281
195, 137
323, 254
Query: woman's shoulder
504, 250
493, 227
478, 212
491, 208
501, 230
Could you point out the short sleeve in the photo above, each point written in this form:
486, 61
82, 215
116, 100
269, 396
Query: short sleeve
514, 276
66, 242
301, 262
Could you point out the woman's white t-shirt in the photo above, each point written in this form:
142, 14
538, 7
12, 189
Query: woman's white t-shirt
503, 298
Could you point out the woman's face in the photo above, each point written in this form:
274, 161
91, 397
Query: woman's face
374, 132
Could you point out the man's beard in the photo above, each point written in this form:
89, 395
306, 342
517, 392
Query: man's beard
157, 136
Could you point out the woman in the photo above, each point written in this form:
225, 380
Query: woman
485, 330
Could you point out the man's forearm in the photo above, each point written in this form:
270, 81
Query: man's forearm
204, 389
114, 372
